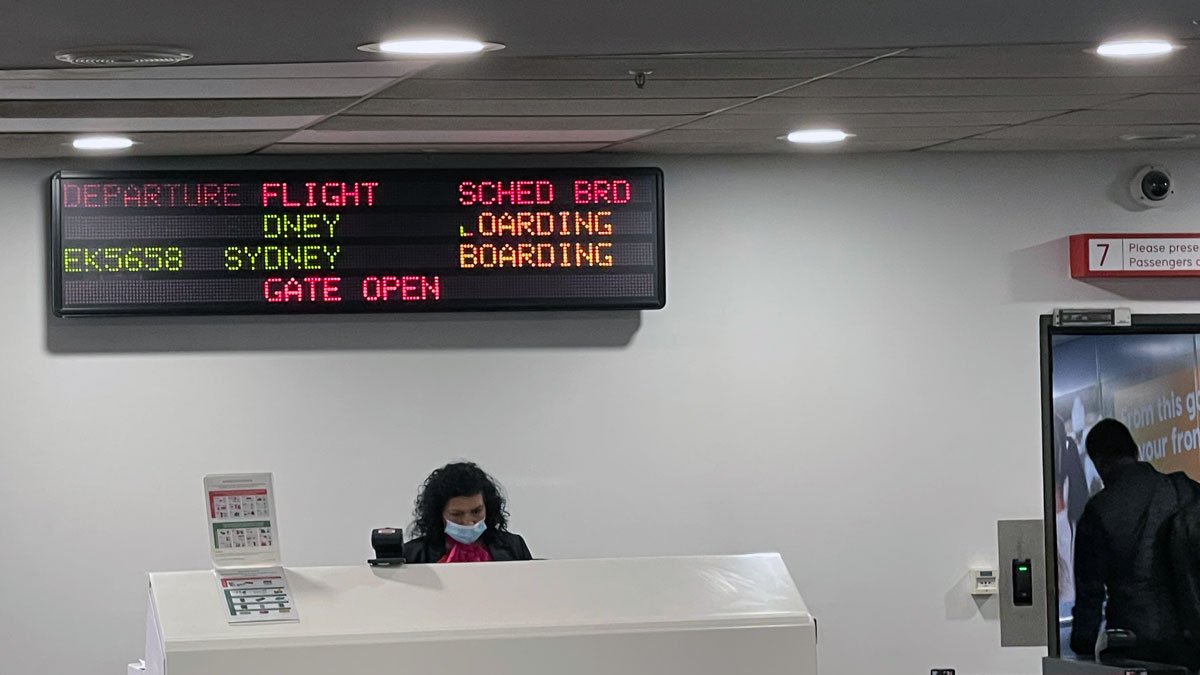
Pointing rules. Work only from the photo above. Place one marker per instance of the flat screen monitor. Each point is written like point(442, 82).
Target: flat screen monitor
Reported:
point(337, 241)
point(1148, 377)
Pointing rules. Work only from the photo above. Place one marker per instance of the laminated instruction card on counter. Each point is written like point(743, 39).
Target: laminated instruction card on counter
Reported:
point(244, 543)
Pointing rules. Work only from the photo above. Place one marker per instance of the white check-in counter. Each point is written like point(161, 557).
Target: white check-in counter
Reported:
point(703, 615)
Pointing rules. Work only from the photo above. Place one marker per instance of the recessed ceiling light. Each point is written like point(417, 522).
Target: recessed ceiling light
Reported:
point(123, 56)
point(1135, 49)
point(431, 47)
point(818, 136)
point(102, 143)
point(1157, 138)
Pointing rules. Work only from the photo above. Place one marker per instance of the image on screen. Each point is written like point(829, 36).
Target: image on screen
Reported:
point(1148, 382)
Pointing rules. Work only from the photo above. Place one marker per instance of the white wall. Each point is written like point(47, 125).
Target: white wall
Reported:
point(846, 372)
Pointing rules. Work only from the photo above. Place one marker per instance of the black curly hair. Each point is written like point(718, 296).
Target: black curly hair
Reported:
point(461, 479)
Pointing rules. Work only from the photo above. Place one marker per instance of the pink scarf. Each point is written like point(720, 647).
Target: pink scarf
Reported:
point(465, 553)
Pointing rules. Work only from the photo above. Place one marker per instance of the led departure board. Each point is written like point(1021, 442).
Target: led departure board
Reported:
point(288, 242)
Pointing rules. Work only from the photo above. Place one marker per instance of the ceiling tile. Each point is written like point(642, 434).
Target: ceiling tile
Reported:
point(430, 148)
point(1158, 102)
point(991, 86)
point(621, 87)
point(512, 107)
point(173, 108)
point(414, 136)
point(663, 67)
point(355, 87)
point(783, 122)
point(697, 137)
point(391, 68)
point(136, 124)
point(649, 145)
point(1026, 61)
point(390, 123)
point(280, 80)
point(22, 146)
point(1097, 133)
point(922, 104)
point(1190, 88)
point(1045, 144)
point(1127, 117)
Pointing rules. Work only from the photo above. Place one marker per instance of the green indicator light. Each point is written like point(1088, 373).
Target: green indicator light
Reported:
point(1022, 568)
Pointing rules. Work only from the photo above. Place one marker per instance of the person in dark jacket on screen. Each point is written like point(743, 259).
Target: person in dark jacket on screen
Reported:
point(1118, 552)
point(460, 516)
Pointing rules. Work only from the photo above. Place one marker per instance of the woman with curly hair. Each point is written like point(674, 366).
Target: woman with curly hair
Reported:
point(460, 516)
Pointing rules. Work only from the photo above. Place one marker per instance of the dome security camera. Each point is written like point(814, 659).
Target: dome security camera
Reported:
point(1151, 186)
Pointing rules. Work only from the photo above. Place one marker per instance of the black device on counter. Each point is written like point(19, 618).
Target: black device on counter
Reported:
point(1022, 582)
point(388, 543)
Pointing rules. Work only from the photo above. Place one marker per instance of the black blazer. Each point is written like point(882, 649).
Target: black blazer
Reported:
point(1117, 558)
point(502, 546)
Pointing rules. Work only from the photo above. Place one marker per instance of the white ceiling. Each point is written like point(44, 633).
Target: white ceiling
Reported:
point(925, 75)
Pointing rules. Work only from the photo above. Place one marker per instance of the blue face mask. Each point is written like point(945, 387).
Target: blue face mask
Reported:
point(464, 534)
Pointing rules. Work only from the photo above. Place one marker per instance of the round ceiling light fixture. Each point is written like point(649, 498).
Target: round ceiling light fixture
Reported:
point(1136, 49)
point(123, 57)
point(431, 46)
point(102, 143)
point(818, 136)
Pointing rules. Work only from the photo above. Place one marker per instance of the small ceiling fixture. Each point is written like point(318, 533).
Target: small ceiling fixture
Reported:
point(1157, 138)
point(102, 143)
point(1136, 49)
point(121, 57)
point(446, 46)
point(816, 136)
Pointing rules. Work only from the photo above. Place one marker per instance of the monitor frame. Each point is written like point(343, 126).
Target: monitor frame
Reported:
point(54, 244)
point(1141, 324)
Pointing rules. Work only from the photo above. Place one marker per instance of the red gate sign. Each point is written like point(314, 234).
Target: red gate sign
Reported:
point(1135, 255)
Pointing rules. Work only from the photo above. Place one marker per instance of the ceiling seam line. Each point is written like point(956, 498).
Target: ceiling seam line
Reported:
point(369, 95)
point(1003, 127)
point(755, 99)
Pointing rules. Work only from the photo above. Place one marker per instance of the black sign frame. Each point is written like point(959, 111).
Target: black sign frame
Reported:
point(55, 253)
